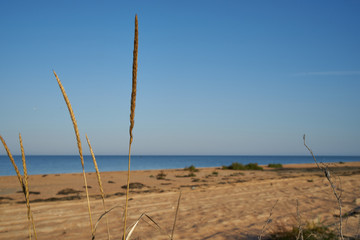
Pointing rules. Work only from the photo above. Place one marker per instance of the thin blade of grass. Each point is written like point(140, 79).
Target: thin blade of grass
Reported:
point(133, 227)
point(132, 116)
point(100, 185)
point(176, 213)
point(101, 216)
point(157, 226)
point(72, 115)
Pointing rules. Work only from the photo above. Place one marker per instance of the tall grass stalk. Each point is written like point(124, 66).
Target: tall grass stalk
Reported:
point(26, 185)
point(12, 161)
point(132, 116)
point(23, 182)
point(78, 144)
point(100, 184)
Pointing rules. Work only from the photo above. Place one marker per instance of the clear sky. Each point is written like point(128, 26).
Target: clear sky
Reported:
point(214, 77)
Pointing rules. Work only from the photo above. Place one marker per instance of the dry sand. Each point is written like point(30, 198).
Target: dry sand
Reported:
point(227, 205)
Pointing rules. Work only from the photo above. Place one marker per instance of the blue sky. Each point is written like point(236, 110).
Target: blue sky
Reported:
point(214, 77)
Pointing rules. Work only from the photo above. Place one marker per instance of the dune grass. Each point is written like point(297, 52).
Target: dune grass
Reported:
point(78, 140)
point(26, 186)
point(132, 116)
point(23, 182)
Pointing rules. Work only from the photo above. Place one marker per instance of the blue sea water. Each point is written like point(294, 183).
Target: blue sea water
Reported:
point(72, 164)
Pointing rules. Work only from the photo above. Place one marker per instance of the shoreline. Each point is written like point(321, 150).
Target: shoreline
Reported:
point(288, 165)
point(71, 164)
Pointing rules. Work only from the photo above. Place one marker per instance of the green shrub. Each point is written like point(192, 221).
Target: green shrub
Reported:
point(239, 166)
point(192, 168)
point(253, 166)
point(275, 165)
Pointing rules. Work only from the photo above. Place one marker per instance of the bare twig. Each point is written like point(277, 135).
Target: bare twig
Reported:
point(267, 221)
point(337, 195)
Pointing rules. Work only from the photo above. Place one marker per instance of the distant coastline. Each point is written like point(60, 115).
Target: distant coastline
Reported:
point(52, 164)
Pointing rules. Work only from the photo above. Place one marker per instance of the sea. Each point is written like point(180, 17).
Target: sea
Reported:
point(50, 164)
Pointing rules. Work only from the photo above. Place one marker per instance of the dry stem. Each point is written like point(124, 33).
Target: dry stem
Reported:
point(26, 185)
point(100, 184)
point(78, 144)
point(132, 116)
point(13, 162)
point(176, 213)
point(326, 172)
point(267, 221)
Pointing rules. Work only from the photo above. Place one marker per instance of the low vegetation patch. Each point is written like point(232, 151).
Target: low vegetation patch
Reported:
point(30, 192)
point(161, 175)
point(237, 174)
point(53, 199)
point(6, 198)
point(187, 175)
point(239, 166)
point(275, 165)
point(192, 168)
point(68, 191)
point(135, 185)
point(311, 231)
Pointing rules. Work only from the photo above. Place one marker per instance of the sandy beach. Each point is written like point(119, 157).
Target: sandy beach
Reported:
point(215, 204)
